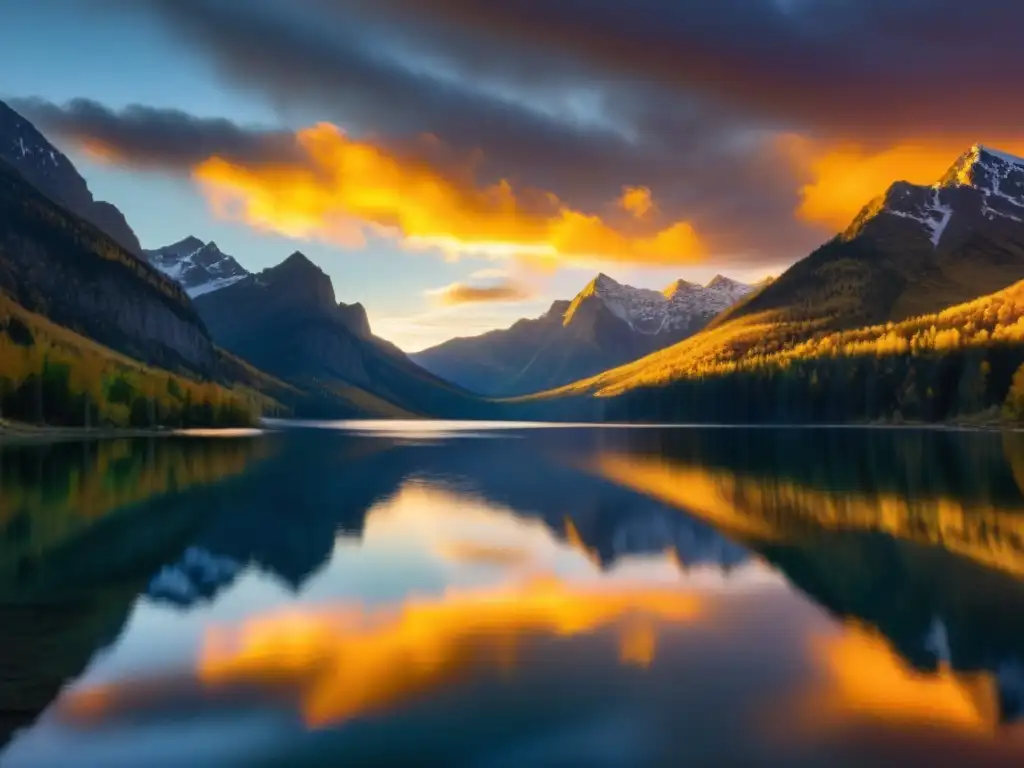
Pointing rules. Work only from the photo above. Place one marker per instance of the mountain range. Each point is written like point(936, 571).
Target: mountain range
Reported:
point(85, 305)
point(606, 325)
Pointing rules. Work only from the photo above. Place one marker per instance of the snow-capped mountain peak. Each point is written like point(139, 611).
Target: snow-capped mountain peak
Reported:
point(983, 184)
point(682, 307)
point(199, 267)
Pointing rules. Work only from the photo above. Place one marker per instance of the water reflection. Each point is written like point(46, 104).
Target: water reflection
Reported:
point(543, 597)
point(343, 661)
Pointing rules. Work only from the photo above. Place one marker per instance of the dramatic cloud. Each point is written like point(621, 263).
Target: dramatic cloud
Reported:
point(888, 68)
point(321, 183)
point(463, 293)
point(344, 184)
point(157, 138)
point(533, 118)
point(764, 127)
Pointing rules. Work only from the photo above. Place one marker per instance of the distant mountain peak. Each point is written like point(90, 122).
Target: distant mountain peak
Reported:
point(680, 286)
point(652, 312)
point(721, 281)
point(607, 324)
point(197, 266)
point(298, 275)
point(299, 261)
point(600, 284)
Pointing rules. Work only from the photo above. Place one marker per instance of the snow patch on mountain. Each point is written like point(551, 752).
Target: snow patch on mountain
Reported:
point(678, 307)
point(198, 267)
point(993, 179)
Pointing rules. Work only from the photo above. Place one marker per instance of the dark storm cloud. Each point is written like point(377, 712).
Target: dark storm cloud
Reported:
point(163, 138)
point(847, 67)
point(376, 71)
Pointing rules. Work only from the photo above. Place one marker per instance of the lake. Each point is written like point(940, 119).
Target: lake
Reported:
point(509, 595)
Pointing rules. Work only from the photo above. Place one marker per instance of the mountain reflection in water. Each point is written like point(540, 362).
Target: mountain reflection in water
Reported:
point(541, 597)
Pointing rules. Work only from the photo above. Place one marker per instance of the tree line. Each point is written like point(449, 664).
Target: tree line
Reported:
point(50, 376)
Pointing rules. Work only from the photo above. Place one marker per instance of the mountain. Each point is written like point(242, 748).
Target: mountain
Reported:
point(24, 148)
point(197, 266)
point(912, 251)
point(285, 320)
point(66, 269)
point(90, 333)
point(605, 325)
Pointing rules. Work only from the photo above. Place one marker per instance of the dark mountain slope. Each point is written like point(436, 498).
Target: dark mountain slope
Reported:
point(66, 269)
point(50, 171)
point(285, 320)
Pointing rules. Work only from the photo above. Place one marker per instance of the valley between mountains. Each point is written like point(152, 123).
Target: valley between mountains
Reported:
point(915, 312)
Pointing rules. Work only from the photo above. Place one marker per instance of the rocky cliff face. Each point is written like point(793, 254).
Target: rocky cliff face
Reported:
point(44, 166)
point(68, 270)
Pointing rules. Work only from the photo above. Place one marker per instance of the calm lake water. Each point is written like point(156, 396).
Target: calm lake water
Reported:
point(486, 595)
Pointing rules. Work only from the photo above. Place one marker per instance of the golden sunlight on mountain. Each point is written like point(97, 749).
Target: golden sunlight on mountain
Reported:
point(844, 177)
point(764, 509)
point(347, 660)
point(347, 185)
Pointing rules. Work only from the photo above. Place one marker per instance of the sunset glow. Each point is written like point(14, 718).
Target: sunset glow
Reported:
point(350, 185)
point(348, 661)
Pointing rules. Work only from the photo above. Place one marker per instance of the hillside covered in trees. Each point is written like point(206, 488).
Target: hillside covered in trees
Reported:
point(964, 362)
point(50, 375)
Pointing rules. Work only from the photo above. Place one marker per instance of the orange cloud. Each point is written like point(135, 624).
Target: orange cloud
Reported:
point(348, 185)
point(637, 201)
point(845, 177)
point(336, 663)
point(457, 294)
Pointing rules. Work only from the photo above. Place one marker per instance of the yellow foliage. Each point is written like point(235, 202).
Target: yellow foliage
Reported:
point(93, 370)
point(773, 339)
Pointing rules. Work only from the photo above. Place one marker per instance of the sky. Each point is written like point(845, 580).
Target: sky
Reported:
point(455, 165)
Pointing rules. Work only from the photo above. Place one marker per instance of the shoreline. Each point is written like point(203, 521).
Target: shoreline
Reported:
point(21, 433)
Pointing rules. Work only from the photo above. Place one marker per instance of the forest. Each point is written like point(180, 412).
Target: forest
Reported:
point(50, 375)
point(964, 363)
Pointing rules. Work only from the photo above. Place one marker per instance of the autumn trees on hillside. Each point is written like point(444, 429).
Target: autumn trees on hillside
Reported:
point(48, 379)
